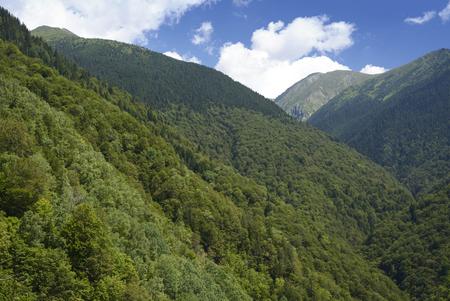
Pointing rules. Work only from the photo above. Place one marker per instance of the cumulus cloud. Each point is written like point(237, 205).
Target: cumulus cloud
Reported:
point(303, 36)
point(268, 76)
point(177, 56)
point(203, 33)
point(281, 55)
point(371, 69)
point(122, 20)
point(241, 3)
point(427, 16)
point(445, 13)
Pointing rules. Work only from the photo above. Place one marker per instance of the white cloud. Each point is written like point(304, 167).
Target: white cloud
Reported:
point(445, 13)
point(371, 69)
point(303, 36)
point(203, 33)
point(241, 3)
point(122, 20)
point(270, 77)
point(177, 56)
point(427, 16)
point(281, 54)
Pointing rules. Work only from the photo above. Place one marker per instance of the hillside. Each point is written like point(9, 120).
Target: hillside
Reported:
point(399, 120)
point(310, 94)
point(272, 149)
point(162, 80)
point(300, 165)
point(297, 164)
point(102, 199)
point(52, 34)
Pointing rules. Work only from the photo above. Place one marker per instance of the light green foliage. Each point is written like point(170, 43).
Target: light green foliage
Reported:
point(86, 230)
point(290, 223)
point(22, 182)
point(218, 196)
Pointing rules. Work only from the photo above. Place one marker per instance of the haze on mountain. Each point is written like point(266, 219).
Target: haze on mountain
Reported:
point(311, 93)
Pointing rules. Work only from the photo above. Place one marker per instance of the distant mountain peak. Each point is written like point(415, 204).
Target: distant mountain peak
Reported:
point(311, 93)
point(391, 117)
point(49, 33)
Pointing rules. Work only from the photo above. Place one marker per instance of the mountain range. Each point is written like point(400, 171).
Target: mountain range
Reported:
point(399, 119)
point(248, 138)
point(128, 175)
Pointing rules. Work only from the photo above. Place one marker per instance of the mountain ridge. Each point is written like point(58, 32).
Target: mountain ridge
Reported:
point(130, 205)
point(160, 72)
point(53, 33)
point(277, 204)
point(305, 97)
point(402, 94)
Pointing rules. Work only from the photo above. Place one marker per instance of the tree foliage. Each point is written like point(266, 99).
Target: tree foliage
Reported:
point(204, 200)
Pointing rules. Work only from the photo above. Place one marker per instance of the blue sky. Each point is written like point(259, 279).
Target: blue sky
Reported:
point(234, 36)
point(381, 37)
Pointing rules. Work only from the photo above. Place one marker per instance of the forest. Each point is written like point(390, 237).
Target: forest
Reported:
point(190, 193)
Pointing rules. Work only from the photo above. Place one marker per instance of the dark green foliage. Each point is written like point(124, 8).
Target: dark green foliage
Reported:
point(401, 120)
point(155, 78)
point(303, 208)
point(127, 218)
point(416, 252)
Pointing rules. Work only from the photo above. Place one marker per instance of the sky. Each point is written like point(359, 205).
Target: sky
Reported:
point(267, 45)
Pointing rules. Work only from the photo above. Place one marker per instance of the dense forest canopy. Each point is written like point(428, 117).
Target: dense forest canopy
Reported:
point(293, 161)
point(400, 120)
point(298, 164)
point(112, 203)
point(216, 195)
point(153, 77)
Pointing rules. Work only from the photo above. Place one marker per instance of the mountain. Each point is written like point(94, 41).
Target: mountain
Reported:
point(104, 198)
point(153, 77)
point(310, 94)
point(50, 33)
point(326, 185)
point(399, 119)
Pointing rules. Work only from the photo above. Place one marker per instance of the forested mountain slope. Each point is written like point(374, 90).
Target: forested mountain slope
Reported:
point(292, 160)
point(311, 93)
point(154, 77)
point(298, 164)
point(102, 200)
point(399, 119)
